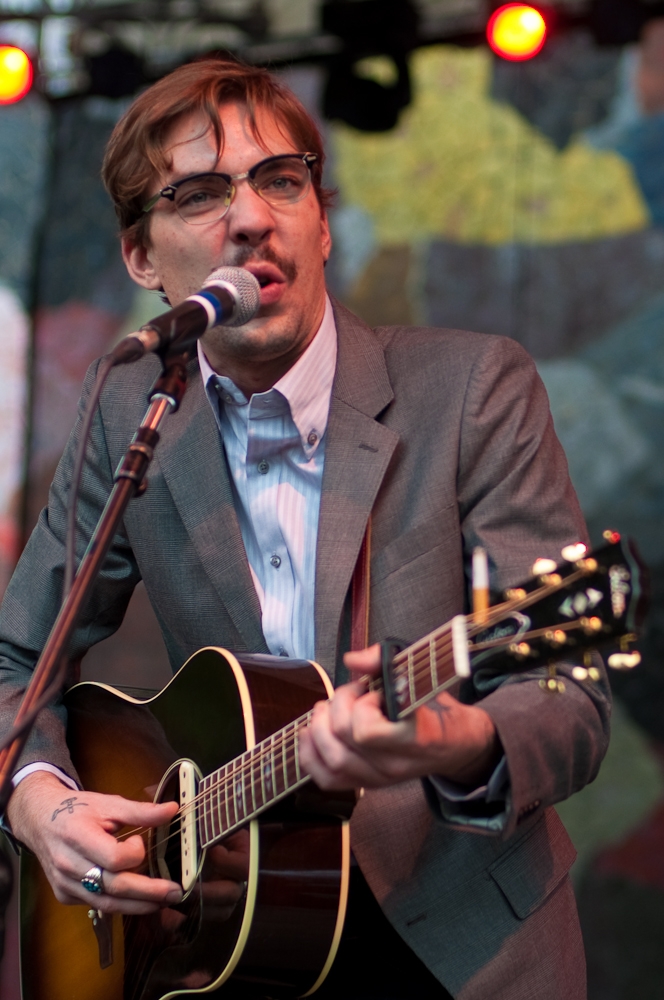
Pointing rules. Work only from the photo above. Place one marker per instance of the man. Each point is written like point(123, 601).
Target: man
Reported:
point(304, 423)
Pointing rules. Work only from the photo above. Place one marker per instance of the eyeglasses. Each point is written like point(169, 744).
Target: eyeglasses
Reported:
point(279, 180)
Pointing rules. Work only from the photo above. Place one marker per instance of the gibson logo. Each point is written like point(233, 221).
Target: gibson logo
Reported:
point(619, 577)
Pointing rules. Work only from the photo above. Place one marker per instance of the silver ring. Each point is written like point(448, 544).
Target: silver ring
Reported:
point(93, 879)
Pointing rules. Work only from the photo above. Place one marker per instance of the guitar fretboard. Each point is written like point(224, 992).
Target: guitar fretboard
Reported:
point(248, 785)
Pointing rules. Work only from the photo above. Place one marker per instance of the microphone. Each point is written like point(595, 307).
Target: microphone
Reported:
point(231, 296)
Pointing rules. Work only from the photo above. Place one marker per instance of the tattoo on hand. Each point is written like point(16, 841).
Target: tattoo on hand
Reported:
point(68, 805)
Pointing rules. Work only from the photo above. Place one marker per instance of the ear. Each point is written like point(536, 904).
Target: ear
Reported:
point(139, 264)
point(325, 235)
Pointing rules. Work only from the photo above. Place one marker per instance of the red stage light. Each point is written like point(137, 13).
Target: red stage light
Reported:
point(15, 74)
point(516, 31)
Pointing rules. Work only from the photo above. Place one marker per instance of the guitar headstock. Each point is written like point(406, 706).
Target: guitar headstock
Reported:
point(565, 611)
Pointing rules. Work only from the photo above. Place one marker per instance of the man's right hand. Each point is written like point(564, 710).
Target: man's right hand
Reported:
point(70, 832)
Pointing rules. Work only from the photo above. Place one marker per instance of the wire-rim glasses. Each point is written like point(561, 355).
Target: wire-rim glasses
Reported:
point(279, 180)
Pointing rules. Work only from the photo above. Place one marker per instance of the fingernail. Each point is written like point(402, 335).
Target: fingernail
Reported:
point(174, 896)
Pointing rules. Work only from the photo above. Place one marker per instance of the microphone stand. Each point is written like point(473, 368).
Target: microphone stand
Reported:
point(165, 397)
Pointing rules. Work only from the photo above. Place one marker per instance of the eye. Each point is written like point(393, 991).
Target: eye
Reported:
point(200, 194)
point(282, 180)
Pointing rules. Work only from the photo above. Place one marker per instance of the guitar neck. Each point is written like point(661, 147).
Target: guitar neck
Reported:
point(581, 605)
point(248, 785)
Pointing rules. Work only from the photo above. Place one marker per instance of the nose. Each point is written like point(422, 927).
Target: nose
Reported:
point(249, 219)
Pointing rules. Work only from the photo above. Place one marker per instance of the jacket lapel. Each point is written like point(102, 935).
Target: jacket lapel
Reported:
point(190, 452)
point(357, 453)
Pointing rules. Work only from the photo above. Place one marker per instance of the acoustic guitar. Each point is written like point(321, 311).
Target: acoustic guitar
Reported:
point(222, 739)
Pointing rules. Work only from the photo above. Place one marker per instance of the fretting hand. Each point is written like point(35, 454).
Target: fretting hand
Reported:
point(350, 742)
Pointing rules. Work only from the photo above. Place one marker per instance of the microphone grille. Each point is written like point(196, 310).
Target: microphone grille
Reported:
point(244, 288)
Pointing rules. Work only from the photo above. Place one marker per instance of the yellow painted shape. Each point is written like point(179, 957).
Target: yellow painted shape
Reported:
point(466, 168)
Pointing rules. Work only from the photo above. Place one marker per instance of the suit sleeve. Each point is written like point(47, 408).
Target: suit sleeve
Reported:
point(32, 599)
point(516, 500)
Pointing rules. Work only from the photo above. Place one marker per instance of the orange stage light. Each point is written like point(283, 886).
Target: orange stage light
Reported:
point(516, 31)
point(15, 74)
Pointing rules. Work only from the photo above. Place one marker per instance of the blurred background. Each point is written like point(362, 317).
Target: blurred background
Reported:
point(510, 193)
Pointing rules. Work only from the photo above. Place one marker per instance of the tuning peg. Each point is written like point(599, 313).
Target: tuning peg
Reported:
point(543, 566)
point(573, 552)
point(624, 661)
point(552, 684)
point(515, 594)
point(585, 673)
point(519, 649)
point(555, 637)
point(611, 536)
point(591, 625)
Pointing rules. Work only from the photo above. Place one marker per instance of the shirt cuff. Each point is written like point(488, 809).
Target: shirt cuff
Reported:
point(23, 772)
point(484, 808)
point(42, 765)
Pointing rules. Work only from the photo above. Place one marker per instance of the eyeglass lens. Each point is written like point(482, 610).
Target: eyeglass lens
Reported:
point(208, 197)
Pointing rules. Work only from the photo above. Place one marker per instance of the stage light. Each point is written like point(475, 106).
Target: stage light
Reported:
point(15, 74)
point(516, 32)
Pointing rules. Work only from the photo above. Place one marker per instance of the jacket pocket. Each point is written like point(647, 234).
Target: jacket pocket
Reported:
point(529, 871)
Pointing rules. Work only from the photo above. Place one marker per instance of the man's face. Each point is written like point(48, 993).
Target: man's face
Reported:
point(285, 247)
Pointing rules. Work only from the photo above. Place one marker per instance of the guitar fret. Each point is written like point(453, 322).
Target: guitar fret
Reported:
point(232, 805)
point(251, 780)
point(296, 750)
point(228, 815)
point(411, 677)
point(275, 773)
point(214, 820)
point(216, 804)
point(261, 767)
point(208, 818)
point(200, 810)
point(433, 664)
point(238, 790)
point(284, 756)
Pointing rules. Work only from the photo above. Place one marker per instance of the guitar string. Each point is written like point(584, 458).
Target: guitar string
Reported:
point(268, 747)
point(407, 663)
point(228, 782)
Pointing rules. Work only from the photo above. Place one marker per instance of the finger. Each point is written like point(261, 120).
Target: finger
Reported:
point(331, 764)
point(364, 660)
point(128, 812)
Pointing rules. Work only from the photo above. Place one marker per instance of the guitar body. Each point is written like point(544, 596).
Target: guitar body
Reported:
point(279, 941)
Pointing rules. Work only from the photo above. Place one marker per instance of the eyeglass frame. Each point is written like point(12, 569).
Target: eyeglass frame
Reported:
point(170, 190)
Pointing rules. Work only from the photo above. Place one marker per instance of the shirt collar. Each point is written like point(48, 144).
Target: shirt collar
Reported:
point(306, 387)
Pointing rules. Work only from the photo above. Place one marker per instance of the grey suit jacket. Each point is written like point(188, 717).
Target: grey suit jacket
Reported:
point(447, 437)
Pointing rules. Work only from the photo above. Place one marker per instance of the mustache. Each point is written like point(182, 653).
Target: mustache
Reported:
point(246, 255)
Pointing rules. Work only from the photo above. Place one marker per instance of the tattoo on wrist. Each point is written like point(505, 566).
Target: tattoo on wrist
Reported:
point(68, 805)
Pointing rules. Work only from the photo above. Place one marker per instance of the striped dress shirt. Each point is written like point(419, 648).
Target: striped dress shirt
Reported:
point(275, 446)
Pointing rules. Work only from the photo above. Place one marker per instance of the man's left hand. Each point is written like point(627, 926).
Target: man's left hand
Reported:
point(350, 742)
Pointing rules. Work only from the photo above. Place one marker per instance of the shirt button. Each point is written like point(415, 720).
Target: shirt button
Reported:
point(263, 467)
point(313, 437)
point(275, 561)
point(228, 398)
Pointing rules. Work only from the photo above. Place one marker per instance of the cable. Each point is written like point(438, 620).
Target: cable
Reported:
point(70, 541)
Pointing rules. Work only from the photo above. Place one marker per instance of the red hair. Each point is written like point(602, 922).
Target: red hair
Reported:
point(135, 151)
